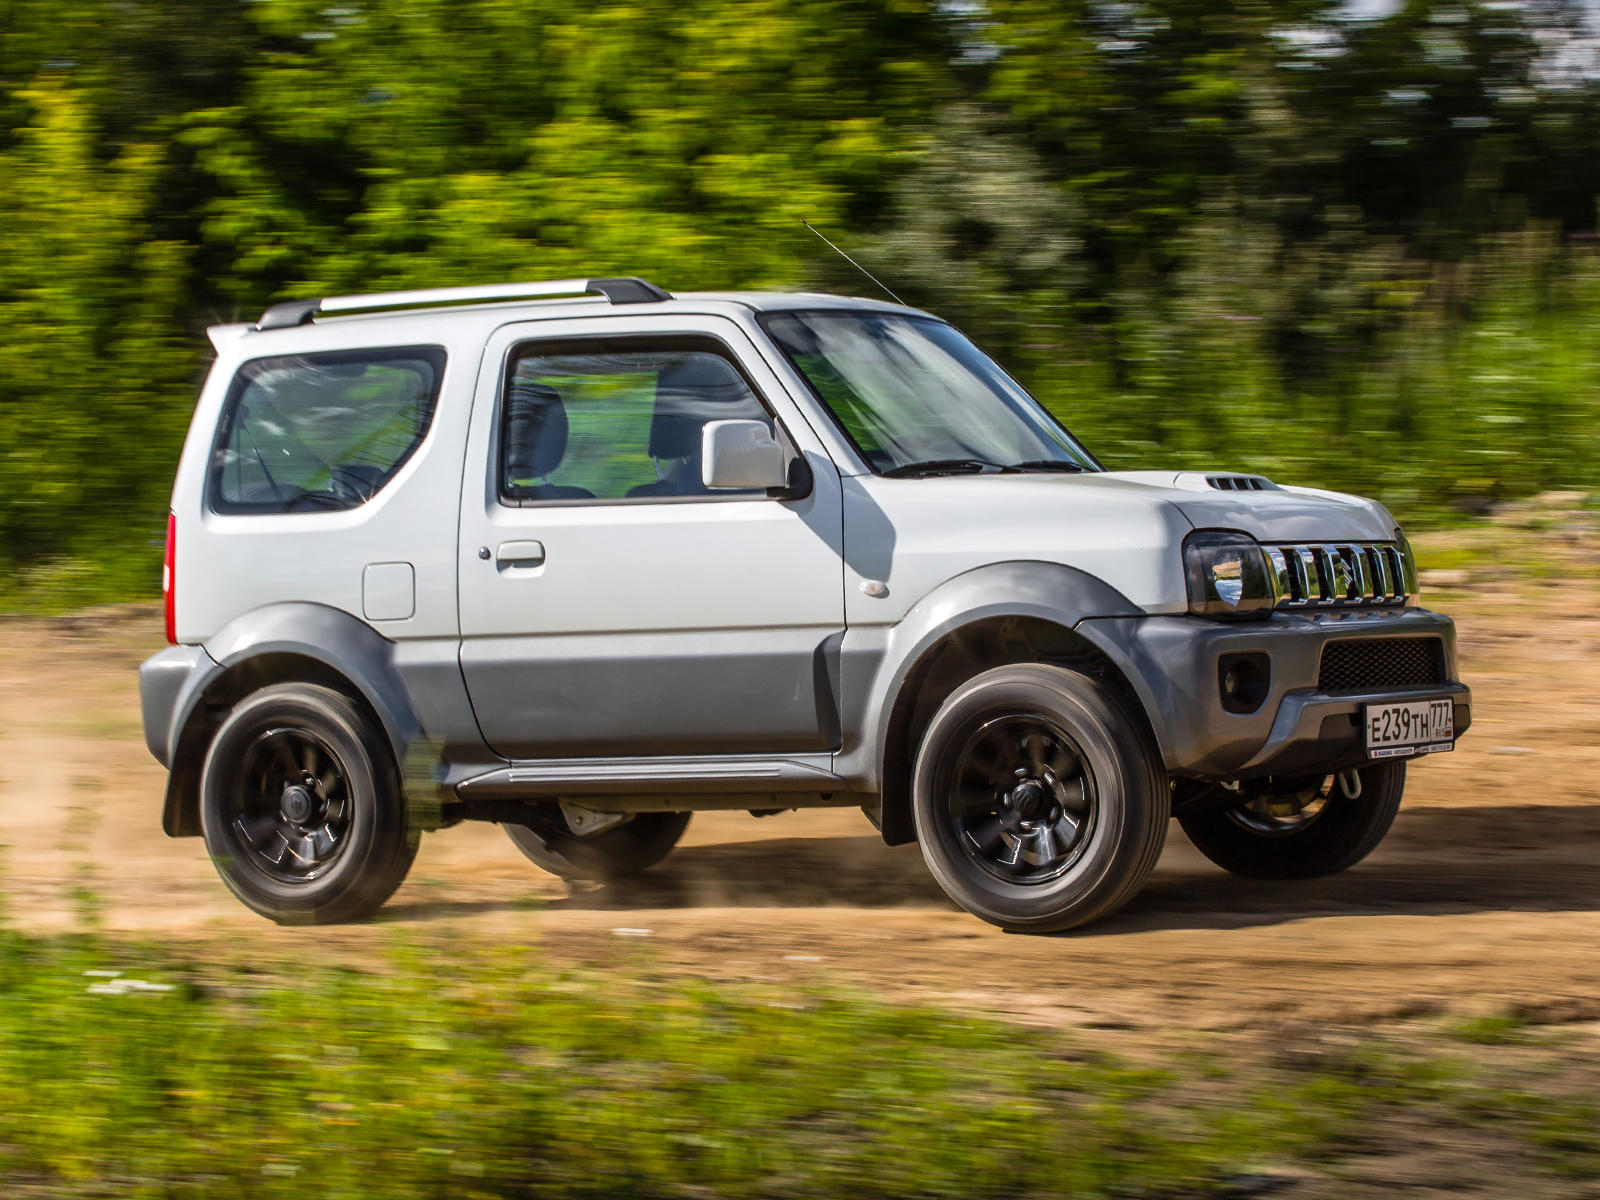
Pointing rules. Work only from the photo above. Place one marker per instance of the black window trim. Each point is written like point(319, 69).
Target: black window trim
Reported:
point(763, 317)
point(439, 355)
point(587, 341)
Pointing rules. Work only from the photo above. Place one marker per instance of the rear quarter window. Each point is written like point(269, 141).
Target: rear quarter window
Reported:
point(322, 432)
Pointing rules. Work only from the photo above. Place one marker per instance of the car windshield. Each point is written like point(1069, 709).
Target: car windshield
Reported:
point(916, 397)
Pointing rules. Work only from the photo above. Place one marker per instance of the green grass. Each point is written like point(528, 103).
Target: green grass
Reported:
point(1500, 1030)
point(484, 1072)
point(462, 1069)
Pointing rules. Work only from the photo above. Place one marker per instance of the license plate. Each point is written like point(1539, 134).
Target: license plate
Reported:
point(1420, 727)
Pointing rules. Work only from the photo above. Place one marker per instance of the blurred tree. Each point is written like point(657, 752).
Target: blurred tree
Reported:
point(95, 375)
point(489, 139)
point(976, 232)
point(1204, 230)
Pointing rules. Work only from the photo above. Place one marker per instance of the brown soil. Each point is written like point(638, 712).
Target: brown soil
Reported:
point(1484, 899)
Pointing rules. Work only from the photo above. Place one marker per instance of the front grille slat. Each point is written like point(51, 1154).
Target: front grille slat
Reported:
point(1302, 577)
point(1384, 577)
point(1339, 575)
point(1380, 664)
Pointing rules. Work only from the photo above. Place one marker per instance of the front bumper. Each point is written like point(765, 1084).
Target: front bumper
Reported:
point(1172, 662)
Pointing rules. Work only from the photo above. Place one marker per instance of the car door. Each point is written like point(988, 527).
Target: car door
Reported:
point(610, 604)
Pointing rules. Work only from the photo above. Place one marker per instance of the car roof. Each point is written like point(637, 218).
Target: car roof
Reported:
point(798, 301)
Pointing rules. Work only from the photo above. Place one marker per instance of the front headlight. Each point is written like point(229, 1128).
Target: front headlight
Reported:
point(1227, 575)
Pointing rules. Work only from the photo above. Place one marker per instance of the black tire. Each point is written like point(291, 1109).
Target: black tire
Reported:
point(302, 808)
point(1246, 840)
point(1044, 766)
point(613, 853)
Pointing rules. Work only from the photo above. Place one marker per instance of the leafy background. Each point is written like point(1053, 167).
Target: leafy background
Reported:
point(1347, 250)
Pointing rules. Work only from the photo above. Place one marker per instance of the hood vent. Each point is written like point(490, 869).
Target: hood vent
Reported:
point(1242, 483)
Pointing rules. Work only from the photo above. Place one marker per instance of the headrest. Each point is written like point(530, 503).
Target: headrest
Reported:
point(673, 436)
point(694, 388)
point(536, 431)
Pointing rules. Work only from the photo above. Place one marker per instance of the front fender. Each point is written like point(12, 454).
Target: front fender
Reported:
point(877, 661)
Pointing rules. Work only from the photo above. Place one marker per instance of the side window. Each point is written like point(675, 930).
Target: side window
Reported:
point(321, 432)
point(616, 418)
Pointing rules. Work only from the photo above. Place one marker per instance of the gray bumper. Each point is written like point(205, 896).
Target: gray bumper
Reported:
point(1172, 663)
point(167, 683)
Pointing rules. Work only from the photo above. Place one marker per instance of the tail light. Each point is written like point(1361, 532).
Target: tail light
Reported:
point(168, 582)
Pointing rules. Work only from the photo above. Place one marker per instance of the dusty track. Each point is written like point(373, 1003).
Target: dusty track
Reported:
point(1486, 897)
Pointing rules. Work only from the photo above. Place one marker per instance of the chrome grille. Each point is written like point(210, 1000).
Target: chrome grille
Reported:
point(1345, 575)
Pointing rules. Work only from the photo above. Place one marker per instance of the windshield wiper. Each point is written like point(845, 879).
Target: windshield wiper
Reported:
point(1048, 464)
point(942, 466)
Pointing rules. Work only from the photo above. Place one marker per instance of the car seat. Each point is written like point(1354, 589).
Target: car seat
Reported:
point(699, 388)
point(675, 446)
point(536, 442)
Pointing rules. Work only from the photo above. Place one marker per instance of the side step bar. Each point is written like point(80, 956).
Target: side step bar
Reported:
point(668, 784)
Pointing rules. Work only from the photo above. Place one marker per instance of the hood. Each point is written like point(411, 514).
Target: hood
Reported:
point(1123, 528)
point(1266, 511)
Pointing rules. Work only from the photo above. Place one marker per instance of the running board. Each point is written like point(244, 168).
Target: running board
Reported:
point(655, 784)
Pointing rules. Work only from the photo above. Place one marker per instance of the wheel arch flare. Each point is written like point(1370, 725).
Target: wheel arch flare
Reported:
point(281, 643)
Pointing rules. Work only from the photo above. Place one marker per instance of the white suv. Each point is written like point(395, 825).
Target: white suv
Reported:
point(582, 558)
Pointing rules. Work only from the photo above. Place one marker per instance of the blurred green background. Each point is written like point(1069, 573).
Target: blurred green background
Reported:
point(1351, 248)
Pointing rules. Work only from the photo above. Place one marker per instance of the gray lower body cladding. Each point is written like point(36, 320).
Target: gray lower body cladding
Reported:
point(164, 678)
point(1298, 725)
point(739, 691)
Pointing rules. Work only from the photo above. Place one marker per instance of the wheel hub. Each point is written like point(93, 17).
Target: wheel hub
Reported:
point(298, 804)
point(1029, 798)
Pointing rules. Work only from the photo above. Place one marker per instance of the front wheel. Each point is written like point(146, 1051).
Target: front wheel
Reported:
point(1040, 802)
point(301, 807)
point(1299, 828)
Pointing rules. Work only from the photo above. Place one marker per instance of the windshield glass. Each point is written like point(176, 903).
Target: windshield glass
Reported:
point(916, 396)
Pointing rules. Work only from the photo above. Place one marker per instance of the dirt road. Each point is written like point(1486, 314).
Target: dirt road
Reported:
point(1485, 898)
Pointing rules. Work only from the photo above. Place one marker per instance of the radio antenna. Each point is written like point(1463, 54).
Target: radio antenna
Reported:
point(852, 261)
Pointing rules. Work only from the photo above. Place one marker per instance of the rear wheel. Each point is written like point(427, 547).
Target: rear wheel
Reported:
point(301, 807)
point(1299, 828)
point(627, 849)
point(1040, 802)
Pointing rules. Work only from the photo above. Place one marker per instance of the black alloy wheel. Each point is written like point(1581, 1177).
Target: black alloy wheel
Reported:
point(1039, 797)
point(293, 803)
point(1022, 801)
point(302, 809)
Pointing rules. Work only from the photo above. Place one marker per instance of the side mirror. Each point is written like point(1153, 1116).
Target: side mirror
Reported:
point(740, 454)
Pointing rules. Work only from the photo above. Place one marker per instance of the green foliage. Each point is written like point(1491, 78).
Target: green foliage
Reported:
point(455, 142)
point(1503, 1030)
point(1355, 254)
point(455, 1069)
point(92, 360)
point(1498, 406)
point(488, 1074)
